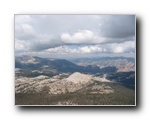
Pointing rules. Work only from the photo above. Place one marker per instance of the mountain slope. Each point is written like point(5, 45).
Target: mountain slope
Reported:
point(123, 64)
point(61, 65)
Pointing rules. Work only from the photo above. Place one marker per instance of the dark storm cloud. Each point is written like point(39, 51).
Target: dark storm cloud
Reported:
point(117, 26)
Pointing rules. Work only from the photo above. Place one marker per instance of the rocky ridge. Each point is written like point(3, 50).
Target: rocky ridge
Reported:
point(54, 85)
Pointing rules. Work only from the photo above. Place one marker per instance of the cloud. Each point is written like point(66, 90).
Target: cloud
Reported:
point(81, 37)
point(24, 32)
point(91, 49)
point(117, 26)
point(64, 51)
point(22, 19)
point(87, 37)
point(125, 47)
point(93, 34)
point(80, 50)
point(60, 49)
point(19, 45)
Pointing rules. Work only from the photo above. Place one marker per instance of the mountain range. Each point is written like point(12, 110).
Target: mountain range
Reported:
point(60, 65)
point(50, 81)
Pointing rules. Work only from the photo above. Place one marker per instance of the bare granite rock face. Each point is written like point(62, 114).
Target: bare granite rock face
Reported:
point(24, 84)
point(78, 78)
point(101, 79)
point(57, 85)
point(74, 82)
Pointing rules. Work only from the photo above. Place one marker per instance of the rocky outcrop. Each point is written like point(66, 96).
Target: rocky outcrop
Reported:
point(101, 79)
point(74, 82)
point(55, 85)
point(78, 78)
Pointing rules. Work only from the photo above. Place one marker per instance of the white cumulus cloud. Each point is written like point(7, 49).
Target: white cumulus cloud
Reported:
point(81, 37)
point(125, 47)
point(91, 49)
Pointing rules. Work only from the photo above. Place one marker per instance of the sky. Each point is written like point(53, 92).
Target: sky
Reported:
point(75, 36)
